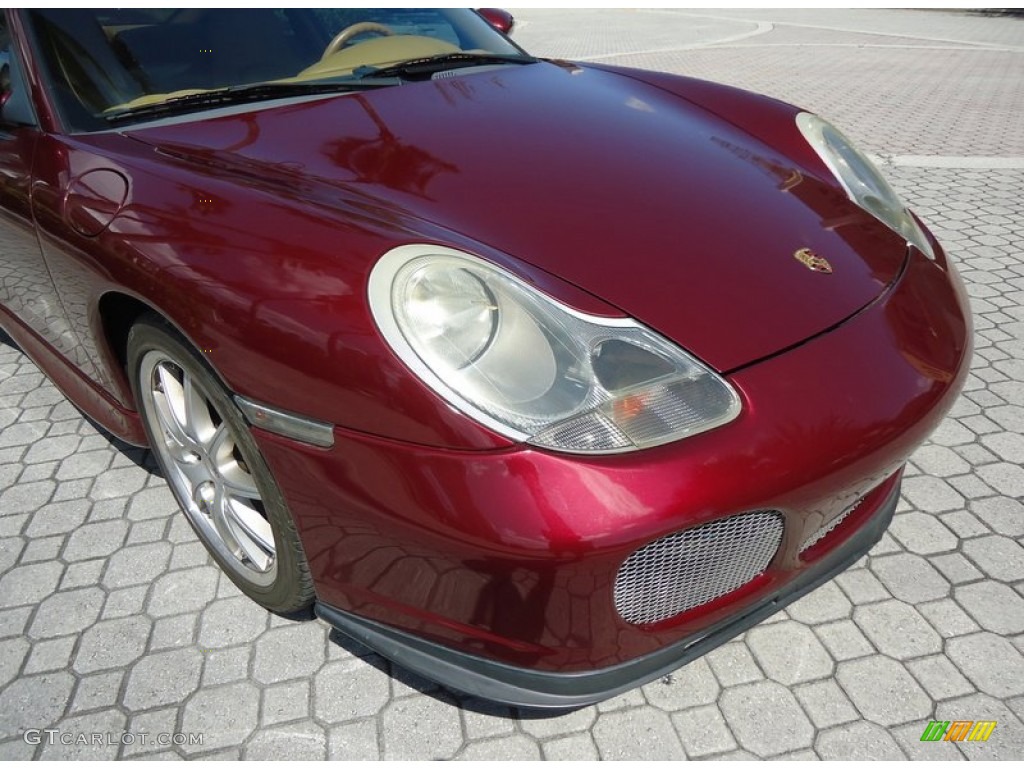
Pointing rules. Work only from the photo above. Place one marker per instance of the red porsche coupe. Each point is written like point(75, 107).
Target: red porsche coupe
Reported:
point(539, 378)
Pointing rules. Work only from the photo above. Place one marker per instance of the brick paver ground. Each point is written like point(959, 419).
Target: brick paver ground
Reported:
point(114, 620)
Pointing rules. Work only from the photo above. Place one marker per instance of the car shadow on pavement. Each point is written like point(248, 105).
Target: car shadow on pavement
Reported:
point(141, 457)
point(406, 679)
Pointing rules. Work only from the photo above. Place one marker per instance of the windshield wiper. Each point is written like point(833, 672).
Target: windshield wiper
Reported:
point(429, 65)
point(236, 94)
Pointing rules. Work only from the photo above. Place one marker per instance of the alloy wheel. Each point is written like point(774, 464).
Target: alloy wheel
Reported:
point(206, 469)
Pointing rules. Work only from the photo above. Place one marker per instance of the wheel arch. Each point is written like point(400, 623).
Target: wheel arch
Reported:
point(118, 312)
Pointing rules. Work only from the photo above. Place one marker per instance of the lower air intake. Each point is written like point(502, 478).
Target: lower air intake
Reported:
point(695, 566)
point(830, 526)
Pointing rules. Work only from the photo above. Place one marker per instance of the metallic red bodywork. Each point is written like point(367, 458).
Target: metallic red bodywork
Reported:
point(498, 18)
point(606, 216)
point(512, 553)
point(677, 202)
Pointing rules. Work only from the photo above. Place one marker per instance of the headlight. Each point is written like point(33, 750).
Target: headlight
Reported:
point(861, 180)
point(536, 370)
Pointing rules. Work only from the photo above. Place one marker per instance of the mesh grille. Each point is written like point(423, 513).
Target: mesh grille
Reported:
point(830, 526)
point(693, 567)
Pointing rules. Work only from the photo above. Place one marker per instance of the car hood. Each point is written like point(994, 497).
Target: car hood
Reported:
point(654, 204)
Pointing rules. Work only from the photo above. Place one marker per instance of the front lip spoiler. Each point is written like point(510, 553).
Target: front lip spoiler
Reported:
point(523, 687)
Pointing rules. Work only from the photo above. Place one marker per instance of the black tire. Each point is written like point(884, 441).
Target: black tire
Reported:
point(215, 469)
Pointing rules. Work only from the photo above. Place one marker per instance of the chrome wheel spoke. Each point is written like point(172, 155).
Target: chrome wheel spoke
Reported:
point(198, 423)
point(221, 517)
point(167, 397)
point(252, 531)
point(235, 478)
point(238, 482)
point(242, 489)
point(193, 471)
point(219, 439)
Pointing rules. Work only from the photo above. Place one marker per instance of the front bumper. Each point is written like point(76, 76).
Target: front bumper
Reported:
point(523, 687)
point(500, 566)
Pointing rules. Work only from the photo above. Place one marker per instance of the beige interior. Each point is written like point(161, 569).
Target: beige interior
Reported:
point(375, 52)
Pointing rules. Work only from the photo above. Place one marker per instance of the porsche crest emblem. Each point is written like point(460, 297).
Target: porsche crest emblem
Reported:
point(813, 261)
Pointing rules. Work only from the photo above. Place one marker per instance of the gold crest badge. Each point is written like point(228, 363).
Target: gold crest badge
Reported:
point(813, 261)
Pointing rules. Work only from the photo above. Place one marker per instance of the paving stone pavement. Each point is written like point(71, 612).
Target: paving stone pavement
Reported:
point(114, 620)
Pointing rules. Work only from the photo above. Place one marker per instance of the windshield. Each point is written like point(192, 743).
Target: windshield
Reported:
point(113, 63)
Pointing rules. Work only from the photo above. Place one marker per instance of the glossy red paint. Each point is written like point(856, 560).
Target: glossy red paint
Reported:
point(512, 553)
point(93, 200)
point(282, 305)
point(621, 193)
point(498, 18)
point(76, 386)
point(650, 242)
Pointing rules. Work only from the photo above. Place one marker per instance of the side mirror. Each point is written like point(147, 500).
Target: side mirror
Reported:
point(501, 20)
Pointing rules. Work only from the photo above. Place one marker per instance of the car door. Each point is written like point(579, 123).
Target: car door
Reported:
point(27, 289)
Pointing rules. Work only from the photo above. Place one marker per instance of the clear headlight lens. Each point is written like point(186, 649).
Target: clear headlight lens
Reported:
point(450, 314)
point(861, 179)
point(536, 370)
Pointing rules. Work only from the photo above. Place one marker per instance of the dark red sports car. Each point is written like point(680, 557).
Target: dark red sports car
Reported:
point(540, 378)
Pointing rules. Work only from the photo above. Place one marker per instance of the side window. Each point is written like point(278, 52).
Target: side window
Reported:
point(15, 107)
point(5, 59)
